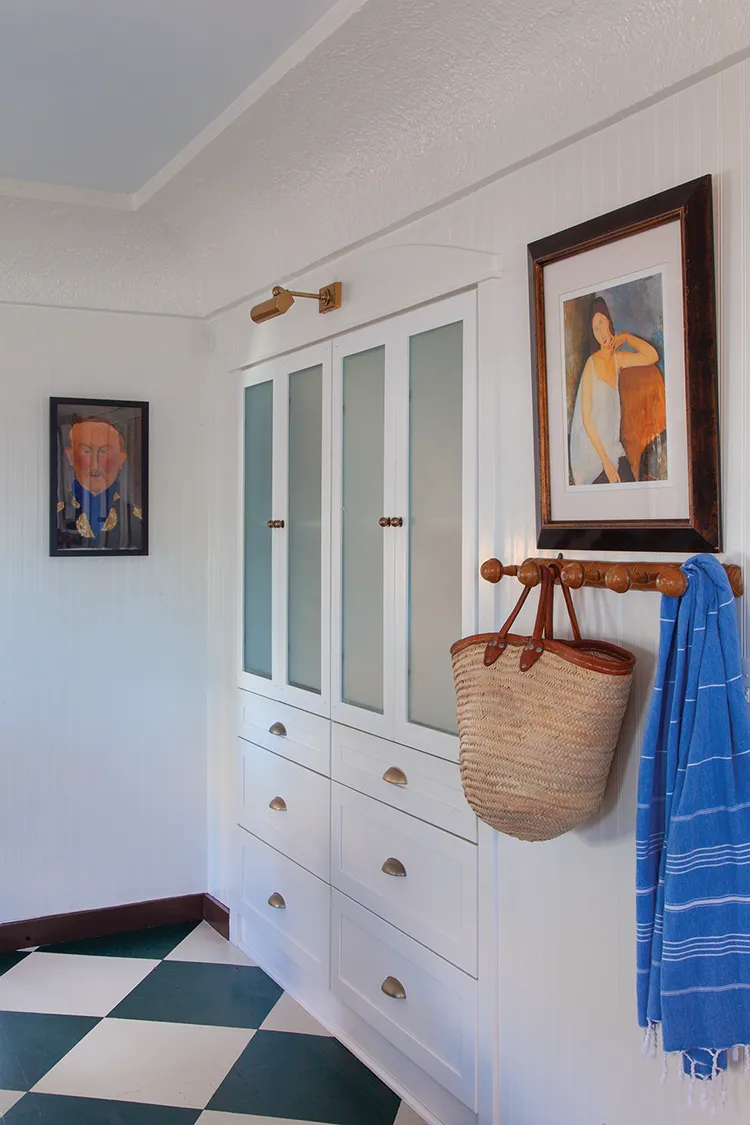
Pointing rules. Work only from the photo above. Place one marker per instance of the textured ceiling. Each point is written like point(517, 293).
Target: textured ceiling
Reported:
point(102, 95)
point(407, 103)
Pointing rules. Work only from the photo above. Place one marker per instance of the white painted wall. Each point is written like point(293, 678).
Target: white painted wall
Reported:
point(102, 661)
point(569, 1048)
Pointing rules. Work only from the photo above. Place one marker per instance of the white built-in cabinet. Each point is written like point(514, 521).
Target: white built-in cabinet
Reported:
point(356, 849)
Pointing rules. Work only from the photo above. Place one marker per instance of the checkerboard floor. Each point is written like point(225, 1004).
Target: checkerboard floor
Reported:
point(170, 1026)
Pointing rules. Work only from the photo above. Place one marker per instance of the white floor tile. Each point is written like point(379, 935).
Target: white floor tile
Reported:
point(208, 947)
point(287, 1015)
point(407, 1116)
point(8, 1098)
point(69, 984)
point(211, 1117)
point(143, 1061)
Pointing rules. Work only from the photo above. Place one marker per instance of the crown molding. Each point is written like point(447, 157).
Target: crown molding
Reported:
point(304, 46)
point(62, 193)
point(132, 201)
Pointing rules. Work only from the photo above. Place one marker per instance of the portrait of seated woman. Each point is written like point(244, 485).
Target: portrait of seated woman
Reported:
point(617, 428)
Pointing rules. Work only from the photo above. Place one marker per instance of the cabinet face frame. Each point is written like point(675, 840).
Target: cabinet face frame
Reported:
point(278, 372)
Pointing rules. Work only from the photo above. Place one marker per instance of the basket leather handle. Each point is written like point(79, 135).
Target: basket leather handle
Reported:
point(534, 646)
point(499, 643)
point(543, 625)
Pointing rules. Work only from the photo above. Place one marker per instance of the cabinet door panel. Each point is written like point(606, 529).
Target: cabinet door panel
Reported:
point(305, 508)
point(362, 549)
point(258, 510)
point(435, 471)
point(436, 559)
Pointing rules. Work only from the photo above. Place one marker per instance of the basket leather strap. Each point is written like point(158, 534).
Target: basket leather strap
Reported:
point(543, 625)
point(534, 646)
point(499, 643)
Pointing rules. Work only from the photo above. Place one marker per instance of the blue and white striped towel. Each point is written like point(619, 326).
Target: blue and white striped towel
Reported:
point(693, 831)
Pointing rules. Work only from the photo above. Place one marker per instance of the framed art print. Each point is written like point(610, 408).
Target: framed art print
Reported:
point(624, 342)
point(98, 477)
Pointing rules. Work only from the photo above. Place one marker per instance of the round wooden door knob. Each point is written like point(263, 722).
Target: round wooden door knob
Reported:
point(618, 578)
point(672, 582)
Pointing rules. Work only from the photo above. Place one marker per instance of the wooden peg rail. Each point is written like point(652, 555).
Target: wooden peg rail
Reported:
point(664, 578)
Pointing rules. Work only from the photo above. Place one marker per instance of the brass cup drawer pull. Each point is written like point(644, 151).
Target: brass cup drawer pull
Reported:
point(278, 804)
point(394, 867)
point(278, 729)
point(393, 987)
point(394, 776)
point(277, 901)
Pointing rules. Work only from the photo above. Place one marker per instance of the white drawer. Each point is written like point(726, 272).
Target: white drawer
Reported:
point(302, 737)
point(435, 901)
point(434, 1024)
point(431, 789)
point(288, 806)
point(297, 932)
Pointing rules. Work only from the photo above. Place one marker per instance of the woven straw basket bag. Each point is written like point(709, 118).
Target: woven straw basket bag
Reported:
point(538, 721)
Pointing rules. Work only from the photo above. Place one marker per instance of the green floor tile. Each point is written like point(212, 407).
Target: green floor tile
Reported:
point(31, 1044)
point(304, 1078)
point(153, 944)
point(213, 995)
point(52, 1109)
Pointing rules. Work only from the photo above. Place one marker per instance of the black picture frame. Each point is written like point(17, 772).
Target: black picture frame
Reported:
point(691, 205)
point(119, 523)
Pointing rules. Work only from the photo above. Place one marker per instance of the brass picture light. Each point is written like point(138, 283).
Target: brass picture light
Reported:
point(328, 298)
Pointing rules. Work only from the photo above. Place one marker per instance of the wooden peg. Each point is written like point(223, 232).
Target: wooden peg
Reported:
point(672, 582)
point(618, 579)
point(530, 572)
point(492, 570)
point(573, 575)
point(734, 574)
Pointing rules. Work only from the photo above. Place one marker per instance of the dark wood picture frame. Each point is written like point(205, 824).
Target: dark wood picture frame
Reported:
point(690, 204)
point(127, 511)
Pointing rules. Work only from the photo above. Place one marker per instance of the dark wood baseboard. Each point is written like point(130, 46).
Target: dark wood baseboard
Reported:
point(114, 920)
point(216, 914)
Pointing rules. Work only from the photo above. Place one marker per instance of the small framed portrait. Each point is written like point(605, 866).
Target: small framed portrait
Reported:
point(624, 340)
point(98, 477)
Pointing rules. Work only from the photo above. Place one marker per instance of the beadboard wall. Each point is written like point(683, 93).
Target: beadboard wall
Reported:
point(558, 924)
point(102, 661)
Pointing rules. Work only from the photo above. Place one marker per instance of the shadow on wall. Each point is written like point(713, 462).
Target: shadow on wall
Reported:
point(622, 784)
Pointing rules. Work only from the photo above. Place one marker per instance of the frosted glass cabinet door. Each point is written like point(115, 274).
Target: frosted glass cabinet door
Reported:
point(258, 501)
point(362, 551)
point(304, 565)
point(362, 537)
point(436, 557)
point(435, 526)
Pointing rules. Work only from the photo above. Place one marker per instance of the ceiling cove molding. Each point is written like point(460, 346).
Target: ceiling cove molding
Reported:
point(61, 193)
point(124, 201)
point(297, 53)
